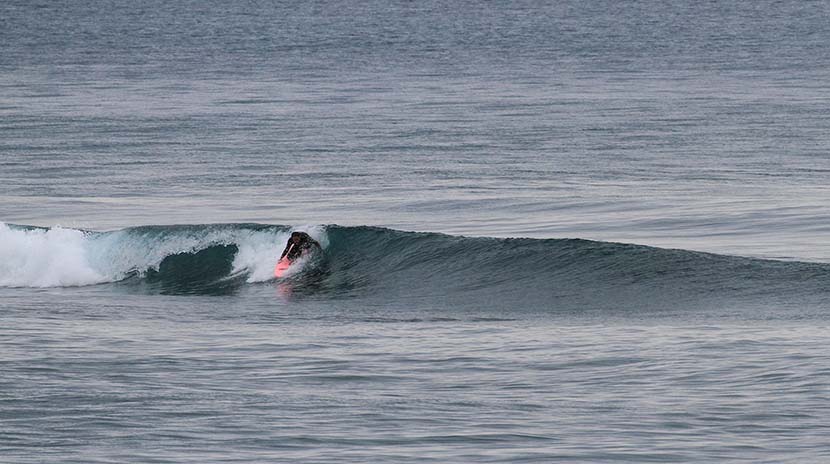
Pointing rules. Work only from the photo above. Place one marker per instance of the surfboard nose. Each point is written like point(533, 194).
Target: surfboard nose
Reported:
point(281, 267)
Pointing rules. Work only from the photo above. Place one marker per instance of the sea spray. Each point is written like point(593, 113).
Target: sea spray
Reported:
point(54, 257)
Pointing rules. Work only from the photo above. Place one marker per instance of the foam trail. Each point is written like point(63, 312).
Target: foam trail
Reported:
point(55, 257)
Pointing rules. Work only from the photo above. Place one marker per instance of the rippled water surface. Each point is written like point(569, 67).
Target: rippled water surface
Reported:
point(621, 248)
point(319, 383)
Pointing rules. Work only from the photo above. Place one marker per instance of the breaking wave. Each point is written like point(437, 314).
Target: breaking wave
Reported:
point(387, 265)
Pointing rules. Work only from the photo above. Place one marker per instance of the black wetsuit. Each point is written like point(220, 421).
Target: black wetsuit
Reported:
point(295, 250)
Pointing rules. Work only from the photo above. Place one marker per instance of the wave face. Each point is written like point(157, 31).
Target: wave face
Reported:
point(388, 266)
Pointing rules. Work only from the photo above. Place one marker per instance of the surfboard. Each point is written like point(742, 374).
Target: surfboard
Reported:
point(282, 267)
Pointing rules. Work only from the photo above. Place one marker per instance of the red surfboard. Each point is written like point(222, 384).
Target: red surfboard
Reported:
point(282, 267)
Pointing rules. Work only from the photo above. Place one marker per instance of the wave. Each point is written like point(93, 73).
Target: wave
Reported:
point(390, 265)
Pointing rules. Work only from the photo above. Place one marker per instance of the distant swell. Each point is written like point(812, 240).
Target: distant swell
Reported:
point(388, 266)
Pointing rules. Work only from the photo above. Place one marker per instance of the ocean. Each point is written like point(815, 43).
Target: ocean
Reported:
point(564, 231)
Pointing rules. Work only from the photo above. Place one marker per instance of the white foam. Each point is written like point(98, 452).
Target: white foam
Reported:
point(45, 258)
point(257, 255)
point(258, 252)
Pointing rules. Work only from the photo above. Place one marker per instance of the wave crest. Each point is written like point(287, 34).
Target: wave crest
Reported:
point(384, 266)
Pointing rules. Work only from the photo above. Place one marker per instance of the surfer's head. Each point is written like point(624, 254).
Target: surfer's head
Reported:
point(296, 237)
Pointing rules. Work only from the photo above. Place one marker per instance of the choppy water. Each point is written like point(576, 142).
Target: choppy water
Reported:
point(621, 249)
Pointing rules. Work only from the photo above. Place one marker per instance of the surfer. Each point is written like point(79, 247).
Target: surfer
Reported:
point(298, 243)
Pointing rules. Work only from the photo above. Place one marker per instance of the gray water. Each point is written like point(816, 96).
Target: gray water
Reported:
point(700, 128)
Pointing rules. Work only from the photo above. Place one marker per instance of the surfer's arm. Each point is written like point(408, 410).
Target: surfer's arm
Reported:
point(286, 250)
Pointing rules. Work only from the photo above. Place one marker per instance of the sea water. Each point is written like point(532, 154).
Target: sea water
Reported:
point(551, 231)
